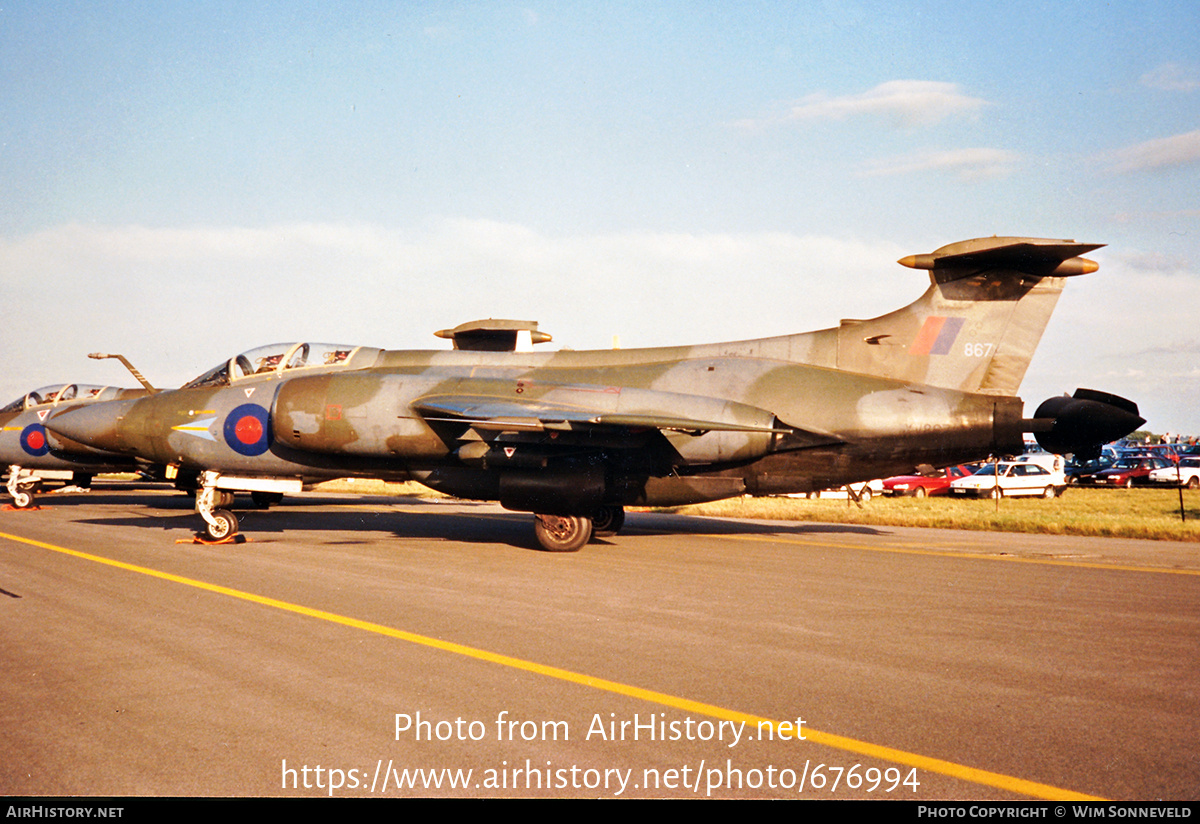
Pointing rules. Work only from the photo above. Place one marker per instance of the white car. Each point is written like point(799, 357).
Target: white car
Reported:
point(1010, 478)
point(1048, 461)
point(865, 491)
point(1186, 474)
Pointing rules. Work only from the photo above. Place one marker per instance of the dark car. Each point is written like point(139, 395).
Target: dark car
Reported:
point(1126, 472)
point(1076, 469)
point(920, 486)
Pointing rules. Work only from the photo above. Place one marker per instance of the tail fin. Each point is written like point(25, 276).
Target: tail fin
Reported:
point(977, 326)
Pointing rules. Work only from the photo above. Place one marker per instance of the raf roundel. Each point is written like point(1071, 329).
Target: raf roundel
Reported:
point(34, 441)
point(248, 430)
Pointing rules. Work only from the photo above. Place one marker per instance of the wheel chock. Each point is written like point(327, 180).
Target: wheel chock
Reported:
point(199, 538)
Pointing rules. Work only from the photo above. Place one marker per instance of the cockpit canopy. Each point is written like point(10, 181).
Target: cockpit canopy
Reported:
point(280, 358)
point(62, 393)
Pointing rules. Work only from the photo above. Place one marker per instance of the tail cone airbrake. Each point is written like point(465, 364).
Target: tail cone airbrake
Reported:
point(1080, 424)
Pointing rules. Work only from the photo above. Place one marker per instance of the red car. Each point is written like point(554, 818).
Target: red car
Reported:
point(1127, 472)
point(920, 486)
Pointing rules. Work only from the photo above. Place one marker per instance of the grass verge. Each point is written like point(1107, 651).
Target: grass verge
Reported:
point(1110, 513)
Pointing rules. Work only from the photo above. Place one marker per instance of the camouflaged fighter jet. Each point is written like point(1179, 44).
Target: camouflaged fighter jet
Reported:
point(575, 436)
point(33, 454)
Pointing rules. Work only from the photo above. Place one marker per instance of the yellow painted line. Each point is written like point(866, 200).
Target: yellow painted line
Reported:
point(944, 553)
point(785, 729)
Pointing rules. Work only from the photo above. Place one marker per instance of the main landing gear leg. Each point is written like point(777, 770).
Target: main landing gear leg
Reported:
point(20, 489)
point(562, 533)
point(219, 524)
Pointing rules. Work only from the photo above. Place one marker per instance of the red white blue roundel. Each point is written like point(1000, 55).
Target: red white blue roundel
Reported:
point(34, 441)
point(248, 430)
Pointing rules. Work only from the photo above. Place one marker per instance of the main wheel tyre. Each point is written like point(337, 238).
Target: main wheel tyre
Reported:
point(562, 533)
point(226, 525)
point(608, 521)
point(22, 500)
point(864, 495)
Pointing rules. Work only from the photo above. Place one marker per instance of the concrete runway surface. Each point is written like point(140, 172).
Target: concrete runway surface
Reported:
point(396, 646)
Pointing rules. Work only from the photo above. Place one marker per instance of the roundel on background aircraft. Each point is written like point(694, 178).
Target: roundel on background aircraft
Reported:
point(34, 441)
point(248, 430)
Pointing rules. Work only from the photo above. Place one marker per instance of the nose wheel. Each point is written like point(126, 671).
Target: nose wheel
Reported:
point(224, 525)
point(21, 489)
point(219, 524)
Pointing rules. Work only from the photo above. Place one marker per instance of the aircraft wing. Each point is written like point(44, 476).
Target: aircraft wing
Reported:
point(700, 430)
point(494, 414)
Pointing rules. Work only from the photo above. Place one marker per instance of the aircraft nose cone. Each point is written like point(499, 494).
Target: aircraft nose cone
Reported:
point(96, 425)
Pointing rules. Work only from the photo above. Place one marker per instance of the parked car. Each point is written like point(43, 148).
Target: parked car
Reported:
point(920, 486)
point(1010, 478)
point(1164, 450)
point(1052, 463)
point(1187, 473)
point(1077, 468)
point(865, 491)
point(1126, 472)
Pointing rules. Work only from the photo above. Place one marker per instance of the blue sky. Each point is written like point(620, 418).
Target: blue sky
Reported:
point(184, 181)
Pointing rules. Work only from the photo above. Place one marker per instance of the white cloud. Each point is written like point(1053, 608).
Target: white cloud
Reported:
point(1177, 150)
point(1173, 77)
point(965, 164)
point(1116, 331)
point(178, 300)
point(908, 103)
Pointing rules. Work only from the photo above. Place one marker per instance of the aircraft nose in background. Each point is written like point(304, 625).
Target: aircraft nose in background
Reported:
point(95, 424)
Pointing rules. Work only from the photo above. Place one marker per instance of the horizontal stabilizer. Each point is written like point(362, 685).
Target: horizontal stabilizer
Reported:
point(1035, 256)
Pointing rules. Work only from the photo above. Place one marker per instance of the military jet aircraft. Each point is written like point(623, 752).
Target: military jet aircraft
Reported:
point(575, 436)
point(33, 454)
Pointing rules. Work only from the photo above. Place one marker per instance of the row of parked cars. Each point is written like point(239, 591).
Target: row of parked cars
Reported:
point(1141, 466)
point(1042, 474)
point(1033, 474)
point(1046, 476)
